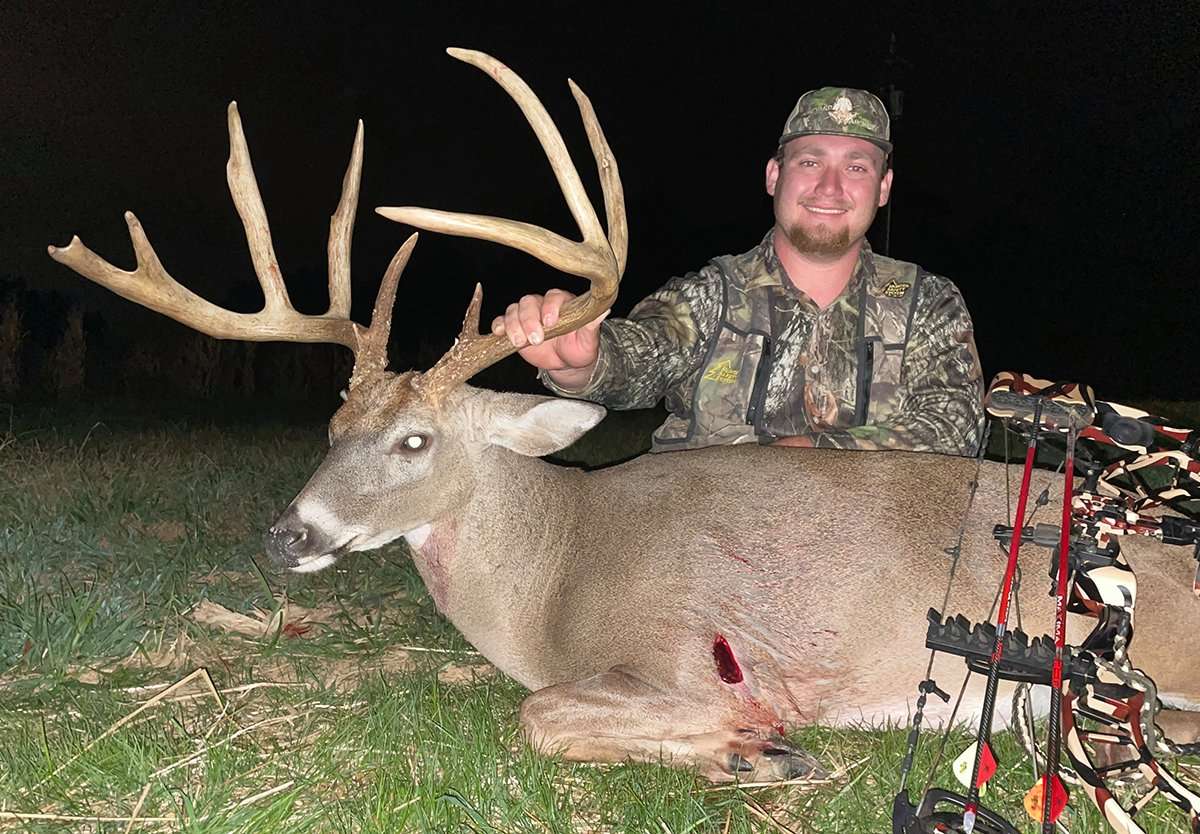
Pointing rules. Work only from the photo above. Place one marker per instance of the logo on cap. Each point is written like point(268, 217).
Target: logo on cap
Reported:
point(842, 111)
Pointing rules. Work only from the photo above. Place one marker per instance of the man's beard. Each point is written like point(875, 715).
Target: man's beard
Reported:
point(821, 241)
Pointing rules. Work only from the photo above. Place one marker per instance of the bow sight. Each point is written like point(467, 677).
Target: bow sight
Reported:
point(1102, 709)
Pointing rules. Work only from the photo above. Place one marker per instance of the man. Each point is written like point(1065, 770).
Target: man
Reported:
point(809, 339)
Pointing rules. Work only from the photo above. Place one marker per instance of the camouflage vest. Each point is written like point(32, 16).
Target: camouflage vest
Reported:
point(729, 390)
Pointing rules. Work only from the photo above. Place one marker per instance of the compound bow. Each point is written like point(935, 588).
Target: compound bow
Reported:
point(1134, 465)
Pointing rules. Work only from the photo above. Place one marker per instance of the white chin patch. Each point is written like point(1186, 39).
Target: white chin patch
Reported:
point(355, 538)
point(417, 536)
point(315, 564)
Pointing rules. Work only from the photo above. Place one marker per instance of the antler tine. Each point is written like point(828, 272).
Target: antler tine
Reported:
point(341, 231)
point(151, 286)
point(596, 258)
point(610, 178)
point(470, 353)
point(370, 357)
point(243, 186)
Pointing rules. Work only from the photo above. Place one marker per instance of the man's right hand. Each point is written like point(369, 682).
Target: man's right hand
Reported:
point(568, 359)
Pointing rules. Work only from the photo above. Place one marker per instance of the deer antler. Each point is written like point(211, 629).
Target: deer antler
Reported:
point(152, 287)
point(598, 258)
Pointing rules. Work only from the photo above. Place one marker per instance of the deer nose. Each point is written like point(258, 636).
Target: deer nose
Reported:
point(291, 539)
point(288, 539)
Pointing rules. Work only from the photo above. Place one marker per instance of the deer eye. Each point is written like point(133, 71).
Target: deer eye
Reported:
point(411, 443)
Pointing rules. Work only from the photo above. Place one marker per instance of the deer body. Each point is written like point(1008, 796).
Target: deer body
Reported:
point(694, 605)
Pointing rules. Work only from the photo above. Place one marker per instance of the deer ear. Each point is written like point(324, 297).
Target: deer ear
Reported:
point(549, 425)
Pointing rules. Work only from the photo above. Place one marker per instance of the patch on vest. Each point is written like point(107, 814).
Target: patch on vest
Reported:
point(896, 289)
point(722, 372)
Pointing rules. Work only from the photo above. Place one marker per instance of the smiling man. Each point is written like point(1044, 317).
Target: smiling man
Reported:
point(808, 339)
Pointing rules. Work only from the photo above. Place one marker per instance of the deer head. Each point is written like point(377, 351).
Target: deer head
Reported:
point(400, 443)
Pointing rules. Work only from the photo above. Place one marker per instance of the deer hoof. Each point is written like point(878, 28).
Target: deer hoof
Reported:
point(789, 762)
point(738, 764)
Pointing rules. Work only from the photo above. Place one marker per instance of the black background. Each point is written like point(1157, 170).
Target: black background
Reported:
point(1046, 155)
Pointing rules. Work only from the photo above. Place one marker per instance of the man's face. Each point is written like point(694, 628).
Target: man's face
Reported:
point(826, 190)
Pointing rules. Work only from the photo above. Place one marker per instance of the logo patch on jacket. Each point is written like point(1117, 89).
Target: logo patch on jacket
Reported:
point(722, 372)
point(896, 289)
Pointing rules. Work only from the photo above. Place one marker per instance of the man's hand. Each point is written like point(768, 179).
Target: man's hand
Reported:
point(570, 358)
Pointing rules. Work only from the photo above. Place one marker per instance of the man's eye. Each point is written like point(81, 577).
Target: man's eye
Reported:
point(411, 443)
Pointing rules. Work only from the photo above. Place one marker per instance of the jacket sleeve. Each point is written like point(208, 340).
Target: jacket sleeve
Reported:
point(658, 349)
point(939, 403)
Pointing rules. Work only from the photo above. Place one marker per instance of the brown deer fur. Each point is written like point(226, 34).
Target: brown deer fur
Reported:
point(610, 593)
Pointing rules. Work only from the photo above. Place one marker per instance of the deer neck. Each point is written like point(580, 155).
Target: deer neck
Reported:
point(492, 565)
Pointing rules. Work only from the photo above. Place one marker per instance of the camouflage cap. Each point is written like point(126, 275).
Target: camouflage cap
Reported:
point(839, 111)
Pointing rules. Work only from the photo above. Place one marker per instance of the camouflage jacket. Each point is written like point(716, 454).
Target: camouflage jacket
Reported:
point(741, 355)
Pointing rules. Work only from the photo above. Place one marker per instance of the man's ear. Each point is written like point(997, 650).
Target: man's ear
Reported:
point(772, 175)
point(885, 188)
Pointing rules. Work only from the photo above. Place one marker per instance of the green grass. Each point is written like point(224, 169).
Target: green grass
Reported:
point(115, 523)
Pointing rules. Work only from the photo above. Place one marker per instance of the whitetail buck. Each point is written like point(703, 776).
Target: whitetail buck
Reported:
point(689, 606)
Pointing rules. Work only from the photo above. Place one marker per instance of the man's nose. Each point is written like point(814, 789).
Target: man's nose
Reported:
point(830, 181)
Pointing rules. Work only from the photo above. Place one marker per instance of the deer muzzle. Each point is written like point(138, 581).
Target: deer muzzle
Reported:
point(296, 545)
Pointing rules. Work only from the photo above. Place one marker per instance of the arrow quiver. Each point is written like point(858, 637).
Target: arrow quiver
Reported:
point(1133, 466)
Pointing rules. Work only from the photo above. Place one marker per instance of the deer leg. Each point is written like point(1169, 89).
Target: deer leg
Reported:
point(616, 717)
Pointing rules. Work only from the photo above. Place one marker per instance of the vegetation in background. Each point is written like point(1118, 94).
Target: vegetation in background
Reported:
point(12, 340)
point(66, 364)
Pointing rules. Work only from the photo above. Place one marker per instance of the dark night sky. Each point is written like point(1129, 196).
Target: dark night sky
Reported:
point(1046, 162)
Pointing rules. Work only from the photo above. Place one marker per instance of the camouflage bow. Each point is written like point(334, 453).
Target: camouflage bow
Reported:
point(1133, 463)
